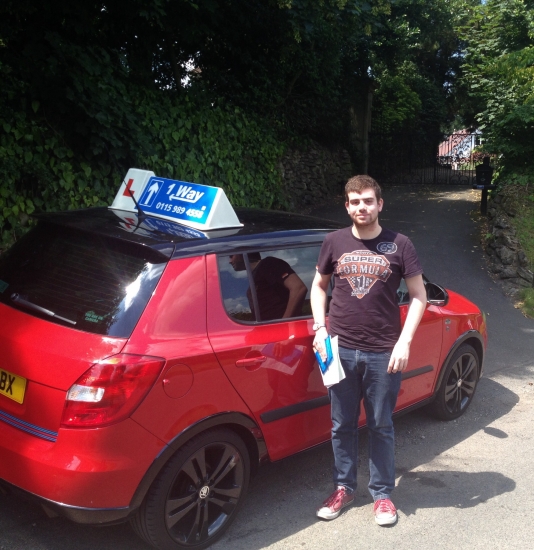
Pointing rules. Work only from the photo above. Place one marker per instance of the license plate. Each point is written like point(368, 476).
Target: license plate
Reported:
point(12, 386)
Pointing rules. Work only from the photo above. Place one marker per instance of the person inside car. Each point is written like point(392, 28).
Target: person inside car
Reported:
point(279, 290)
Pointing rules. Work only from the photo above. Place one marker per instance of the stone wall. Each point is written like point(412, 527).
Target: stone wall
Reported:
point(508, 262)
point(314, 174)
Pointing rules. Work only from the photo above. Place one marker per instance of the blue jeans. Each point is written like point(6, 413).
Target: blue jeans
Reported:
point(367, 378)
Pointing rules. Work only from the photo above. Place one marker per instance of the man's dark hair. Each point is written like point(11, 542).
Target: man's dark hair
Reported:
point(357, 184)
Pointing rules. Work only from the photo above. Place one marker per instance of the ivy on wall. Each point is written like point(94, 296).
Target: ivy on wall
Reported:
point(201, 91)
point(214, 146)
point(180, 137)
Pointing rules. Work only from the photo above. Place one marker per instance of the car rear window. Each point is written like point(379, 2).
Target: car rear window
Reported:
point(87, 282)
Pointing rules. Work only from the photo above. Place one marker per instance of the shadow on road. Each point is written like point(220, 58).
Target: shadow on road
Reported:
point(284, 496)
point(449, 489)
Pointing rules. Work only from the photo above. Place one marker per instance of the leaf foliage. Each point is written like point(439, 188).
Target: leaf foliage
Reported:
point(499, 76)
point(202, 90)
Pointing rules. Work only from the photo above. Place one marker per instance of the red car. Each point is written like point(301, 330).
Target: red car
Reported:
point(144, 375)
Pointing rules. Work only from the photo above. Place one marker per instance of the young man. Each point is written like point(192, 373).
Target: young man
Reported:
point(367, 262)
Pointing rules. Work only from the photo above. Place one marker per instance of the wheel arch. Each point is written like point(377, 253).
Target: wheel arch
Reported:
point(475, 340)
point(239, 423)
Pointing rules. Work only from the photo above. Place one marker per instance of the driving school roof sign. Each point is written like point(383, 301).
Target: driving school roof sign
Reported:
point(199, 206)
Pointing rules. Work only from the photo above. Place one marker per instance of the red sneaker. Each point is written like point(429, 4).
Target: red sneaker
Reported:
point(385, 512)
point(333, 505)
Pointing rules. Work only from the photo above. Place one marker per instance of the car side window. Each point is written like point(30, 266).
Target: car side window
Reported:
point(268, 285)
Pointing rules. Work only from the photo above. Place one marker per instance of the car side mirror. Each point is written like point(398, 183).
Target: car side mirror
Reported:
point(436, 295)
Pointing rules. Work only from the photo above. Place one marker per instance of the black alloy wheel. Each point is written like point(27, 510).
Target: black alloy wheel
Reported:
point(197, 495)
point(458, 385)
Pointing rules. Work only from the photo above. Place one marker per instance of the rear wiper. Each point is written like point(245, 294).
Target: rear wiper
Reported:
point(15, 297)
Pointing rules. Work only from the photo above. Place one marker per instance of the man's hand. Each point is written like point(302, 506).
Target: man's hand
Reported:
point(318, 304)
point(399, 357)
point(318, 342)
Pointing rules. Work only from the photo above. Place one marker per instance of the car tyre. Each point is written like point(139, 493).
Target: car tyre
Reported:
point(198, 493)
point(459, 383)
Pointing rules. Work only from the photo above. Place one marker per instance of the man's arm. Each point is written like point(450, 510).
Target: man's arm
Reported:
point(297, 293)
point(401, 351)
point(318, 297)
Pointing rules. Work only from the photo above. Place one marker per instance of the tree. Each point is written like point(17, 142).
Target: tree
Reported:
point(416, 64)
point(499, 76)
point(92, 87)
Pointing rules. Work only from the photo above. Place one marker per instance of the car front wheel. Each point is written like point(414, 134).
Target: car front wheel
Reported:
point(458, 385)
point(198, 493)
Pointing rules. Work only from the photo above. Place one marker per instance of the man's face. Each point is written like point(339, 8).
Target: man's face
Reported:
point(237, 262)
point(363, 208)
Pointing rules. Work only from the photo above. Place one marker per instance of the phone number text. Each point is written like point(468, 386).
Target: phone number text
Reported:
point(191, 212)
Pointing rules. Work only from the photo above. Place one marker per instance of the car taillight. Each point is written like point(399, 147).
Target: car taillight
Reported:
point(110, 390)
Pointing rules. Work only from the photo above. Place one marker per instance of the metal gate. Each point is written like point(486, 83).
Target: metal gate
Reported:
point(396, 158)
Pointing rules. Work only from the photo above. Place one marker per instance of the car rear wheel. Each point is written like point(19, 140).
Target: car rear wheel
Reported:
point(458, 385)
point(198, 493)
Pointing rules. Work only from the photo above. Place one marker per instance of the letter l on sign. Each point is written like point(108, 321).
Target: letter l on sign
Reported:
point(128, 190)
point(134, 183)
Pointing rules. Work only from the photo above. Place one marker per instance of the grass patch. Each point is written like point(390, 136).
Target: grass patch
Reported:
point(527, 302)
point(520, 199)
point(524, 225)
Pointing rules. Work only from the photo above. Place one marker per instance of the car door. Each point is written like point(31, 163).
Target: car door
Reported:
point(269, 359)
point(423, 365)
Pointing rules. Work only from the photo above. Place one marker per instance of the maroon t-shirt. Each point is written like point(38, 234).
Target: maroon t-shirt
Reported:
point(269, 276)
point(364, 310)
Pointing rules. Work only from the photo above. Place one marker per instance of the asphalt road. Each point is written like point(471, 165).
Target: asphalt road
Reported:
point(466, 483)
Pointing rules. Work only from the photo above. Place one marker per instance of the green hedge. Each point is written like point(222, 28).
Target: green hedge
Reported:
point(181, 137)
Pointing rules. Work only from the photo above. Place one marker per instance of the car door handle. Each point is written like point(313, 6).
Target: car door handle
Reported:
point(251, 361)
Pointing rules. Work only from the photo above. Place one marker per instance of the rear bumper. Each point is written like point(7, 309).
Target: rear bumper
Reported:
point(89, 476)
point(78, 514)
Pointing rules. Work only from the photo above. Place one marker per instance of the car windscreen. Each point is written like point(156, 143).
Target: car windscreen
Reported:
point(80, 280)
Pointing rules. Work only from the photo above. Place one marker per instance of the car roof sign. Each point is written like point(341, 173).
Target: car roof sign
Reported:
point(132, 185)
point(199, 206)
